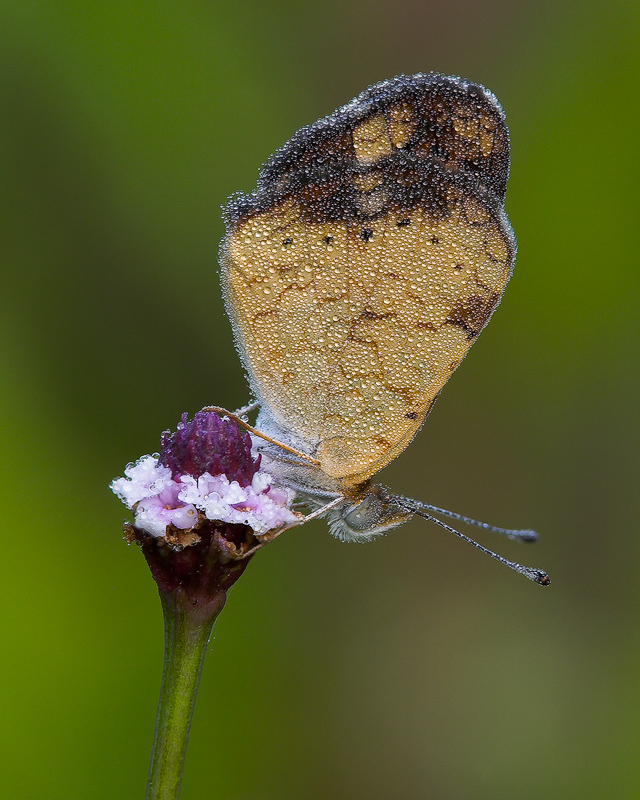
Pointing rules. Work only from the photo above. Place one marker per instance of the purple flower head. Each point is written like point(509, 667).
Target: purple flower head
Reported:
point(205, 475)
point(209, 444)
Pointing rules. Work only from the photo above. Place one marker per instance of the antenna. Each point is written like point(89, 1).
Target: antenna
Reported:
point(421, 509)
point(523, 535)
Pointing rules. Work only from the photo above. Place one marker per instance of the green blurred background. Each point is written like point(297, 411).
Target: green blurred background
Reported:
point(410, 668)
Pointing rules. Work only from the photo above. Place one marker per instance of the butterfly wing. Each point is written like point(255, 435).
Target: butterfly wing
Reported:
point(363, 267)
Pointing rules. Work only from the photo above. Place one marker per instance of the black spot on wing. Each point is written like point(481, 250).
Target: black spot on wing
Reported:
point(472, 314)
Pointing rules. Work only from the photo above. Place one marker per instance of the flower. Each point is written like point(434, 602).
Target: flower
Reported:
point(202, 508)
point(205, 471)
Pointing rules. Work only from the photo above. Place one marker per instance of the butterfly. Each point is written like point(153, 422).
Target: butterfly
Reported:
point(356, 276)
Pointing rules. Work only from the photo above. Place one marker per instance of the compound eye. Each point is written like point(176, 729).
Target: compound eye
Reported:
point(365, 515)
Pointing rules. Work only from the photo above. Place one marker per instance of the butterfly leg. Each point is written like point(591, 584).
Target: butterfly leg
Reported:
point(256, 432)
point(267, 538)
point(242, 412)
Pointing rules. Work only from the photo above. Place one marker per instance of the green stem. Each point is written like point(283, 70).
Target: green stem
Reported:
point(187, 629)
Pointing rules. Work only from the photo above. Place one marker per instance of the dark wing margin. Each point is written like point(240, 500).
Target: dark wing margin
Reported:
point(452, 140)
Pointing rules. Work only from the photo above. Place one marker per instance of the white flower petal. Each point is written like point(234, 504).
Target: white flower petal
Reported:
point(145, 478)
point(189, 490)
point(184, 517)
point(150, 520)
point(261, 481)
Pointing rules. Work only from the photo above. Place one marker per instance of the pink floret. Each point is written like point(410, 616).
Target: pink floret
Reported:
point(159, 500)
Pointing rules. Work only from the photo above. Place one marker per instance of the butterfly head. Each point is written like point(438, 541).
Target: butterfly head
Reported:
point(365, 515)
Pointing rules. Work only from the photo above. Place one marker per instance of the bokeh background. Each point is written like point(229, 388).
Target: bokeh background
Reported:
point(410, 668)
